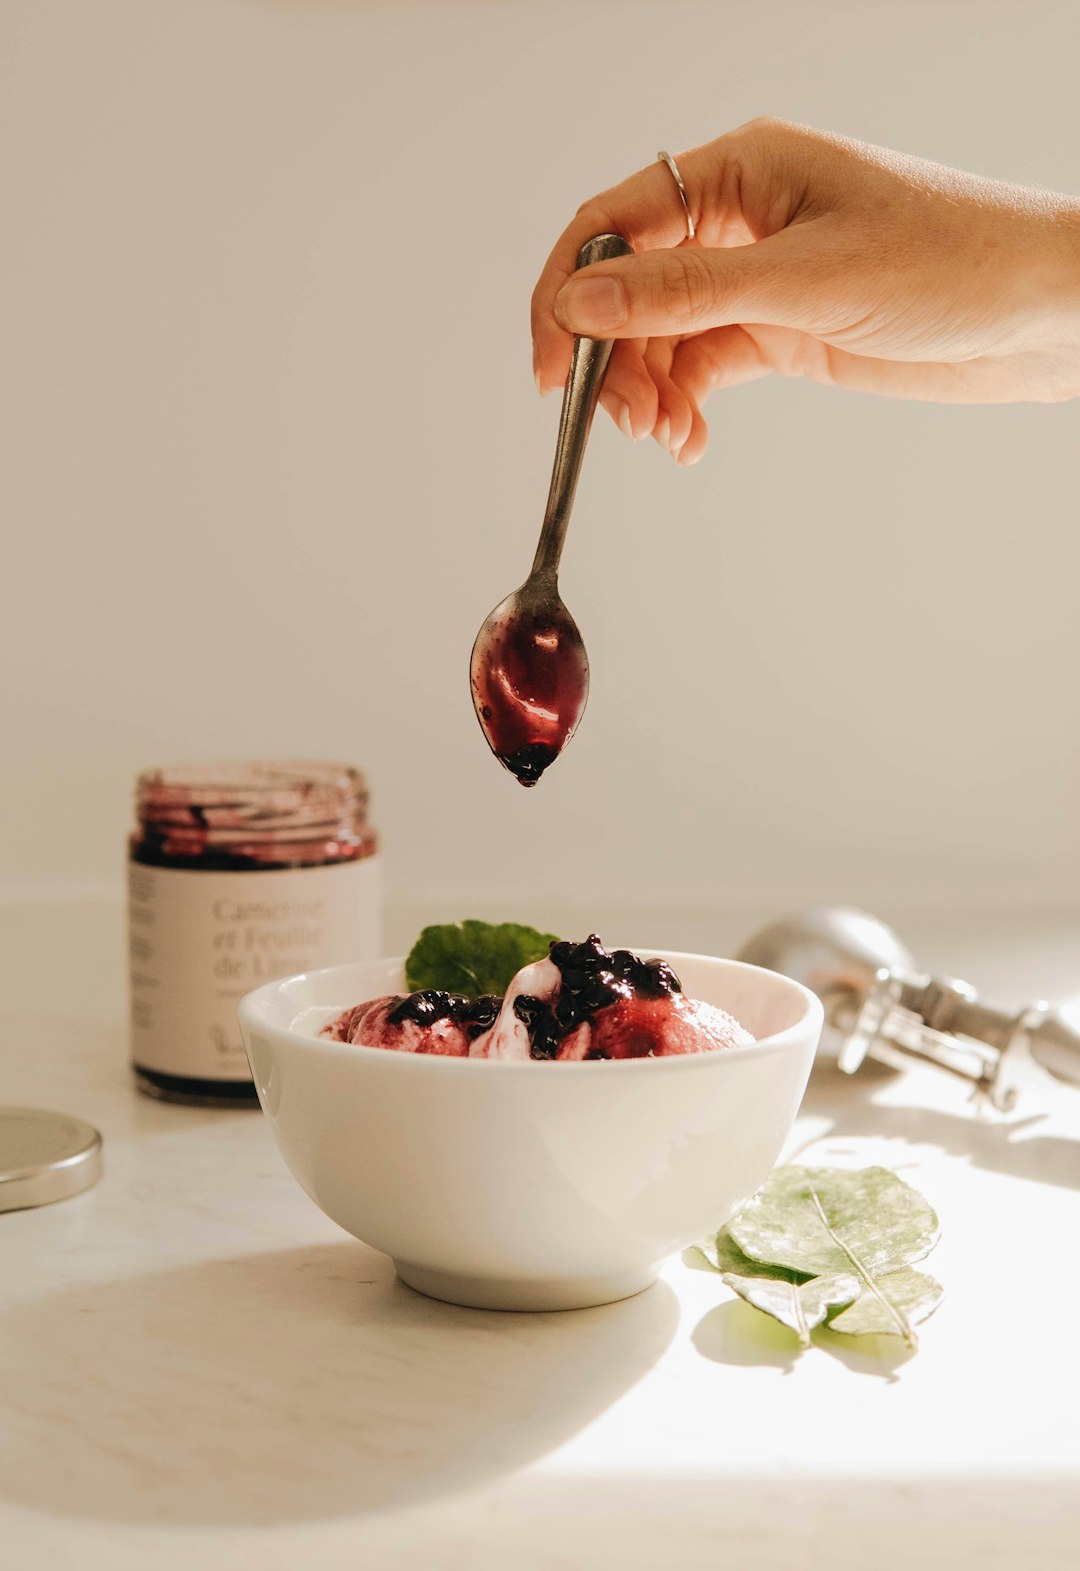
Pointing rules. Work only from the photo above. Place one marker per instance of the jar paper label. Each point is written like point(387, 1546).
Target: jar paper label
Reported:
point(200, 940)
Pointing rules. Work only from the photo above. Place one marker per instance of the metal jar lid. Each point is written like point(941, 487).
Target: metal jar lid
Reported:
point(45, 1157)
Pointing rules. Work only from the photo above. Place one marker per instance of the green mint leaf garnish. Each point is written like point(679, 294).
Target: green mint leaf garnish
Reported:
point(473, 957)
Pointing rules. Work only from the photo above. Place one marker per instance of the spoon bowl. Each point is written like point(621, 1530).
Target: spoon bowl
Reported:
point(530, 678)
point(528, 671)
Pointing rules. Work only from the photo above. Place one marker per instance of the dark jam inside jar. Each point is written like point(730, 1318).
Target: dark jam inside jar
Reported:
point(251, 817)
point(244, 818)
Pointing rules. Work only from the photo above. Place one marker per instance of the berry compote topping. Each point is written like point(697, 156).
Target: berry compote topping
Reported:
point(591, 980)
point(582, 1002)
point(474, 1015)
point(529, 686)
point(540, 1023)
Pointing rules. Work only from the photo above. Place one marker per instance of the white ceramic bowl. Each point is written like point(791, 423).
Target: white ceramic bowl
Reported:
point(510, 1185)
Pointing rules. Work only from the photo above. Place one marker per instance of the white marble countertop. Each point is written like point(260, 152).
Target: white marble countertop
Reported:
point(197, 1369)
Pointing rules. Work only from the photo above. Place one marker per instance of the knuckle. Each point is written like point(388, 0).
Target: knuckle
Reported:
point(772, 128)
point(805, 356)
point(687, 288)
point(760, 125)
point(592, 209)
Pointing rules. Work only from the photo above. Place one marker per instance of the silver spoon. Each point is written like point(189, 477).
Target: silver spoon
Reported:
point(528, 670)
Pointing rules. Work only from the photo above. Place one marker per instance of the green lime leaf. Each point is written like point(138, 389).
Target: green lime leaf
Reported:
point(916, 1294)
point(473, 957)
point(831, 1245)
point(866, 1223)
point(723, 1254)
point(800, 1305)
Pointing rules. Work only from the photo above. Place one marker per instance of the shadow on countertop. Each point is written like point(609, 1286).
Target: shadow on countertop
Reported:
point(302, 1384)
point(997, 1144)
point(737, 1334)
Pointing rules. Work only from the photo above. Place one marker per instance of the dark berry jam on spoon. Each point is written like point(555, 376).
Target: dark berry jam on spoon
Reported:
point(531, 680)
point(529, 671)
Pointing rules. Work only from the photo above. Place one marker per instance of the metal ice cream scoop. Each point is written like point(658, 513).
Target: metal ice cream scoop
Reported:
point(528, 671)
point(886, 1009)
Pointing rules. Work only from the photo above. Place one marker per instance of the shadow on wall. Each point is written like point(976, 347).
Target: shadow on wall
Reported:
point(304, 1384)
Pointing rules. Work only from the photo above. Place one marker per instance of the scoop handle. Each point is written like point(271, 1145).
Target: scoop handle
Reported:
point(587, 368)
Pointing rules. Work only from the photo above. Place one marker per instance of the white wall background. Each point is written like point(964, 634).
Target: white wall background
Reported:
point(272, 450)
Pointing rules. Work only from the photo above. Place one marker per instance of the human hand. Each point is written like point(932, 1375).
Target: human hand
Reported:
point(820, 257)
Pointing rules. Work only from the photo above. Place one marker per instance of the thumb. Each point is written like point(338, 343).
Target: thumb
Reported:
point(660, 294)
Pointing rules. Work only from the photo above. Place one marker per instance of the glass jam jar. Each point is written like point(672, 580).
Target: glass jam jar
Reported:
point(238, 874)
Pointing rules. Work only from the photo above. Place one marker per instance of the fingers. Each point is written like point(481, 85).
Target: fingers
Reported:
point(646, 211)
point(658, 388)
point(721, 358)
point(786, 280)
point(743, 186)
point(675, 413)
point(724, 357)
point(629, 393)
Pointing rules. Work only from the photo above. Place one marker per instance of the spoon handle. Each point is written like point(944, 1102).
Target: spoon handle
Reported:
point(587, 367)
